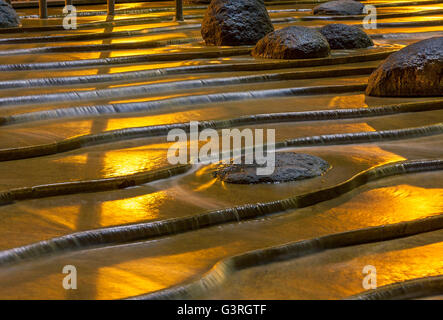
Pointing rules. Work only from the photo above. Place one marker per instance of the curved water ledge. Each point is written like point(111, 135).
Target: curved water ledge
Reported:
point(100, 47)
point(150, 230)
point(425, 23)
point(403, 4)
point(100, 35)
point(168, 103)
point(255, 66)
point(224, 268)
point(174, 86)
point(90, 25)
point(411, 289)
point(93, 13)
point(162, 130)
point(171, 56)
point(379, 16)
point(64, 188)
point(149, 74)
point(407, 35)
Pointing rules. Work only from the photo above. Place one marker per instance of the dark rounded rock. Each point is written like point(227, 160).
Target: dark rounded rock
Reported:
point(235, 22)
point(416, 70)
point(339, 8)
point(289, 166)
point(293, 42)
point(342, 36)
point(8, 16)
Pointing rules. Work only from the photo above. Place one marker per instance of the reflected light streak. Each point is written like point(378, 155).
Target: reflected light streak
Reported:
point(144, 207)
point(132, 160)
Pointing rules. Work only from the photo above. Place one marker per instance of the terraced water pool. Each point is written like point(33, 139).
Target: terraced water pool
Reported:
point(85, 179)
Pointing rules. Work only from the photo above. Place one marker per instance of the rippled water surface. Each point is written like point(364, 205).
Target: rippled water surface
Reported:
point(138, 225)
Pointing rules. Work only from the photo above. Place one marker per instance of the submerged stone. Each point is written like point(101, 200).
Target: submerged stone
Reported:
point(416, 70)
point(343, 36)
point(235, 22)
point(293, 42)
point(339, 8)
point(8, 17)
point(289, 166)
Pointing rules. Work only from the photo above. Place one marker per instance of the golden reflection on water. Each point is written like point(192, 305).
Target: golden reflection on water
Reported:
point(206, 185)
point(114, 124)
point(410, 202)
point(401, 265)
point(129, 283)
point(61, 217)
point(73, 159)
point(154, 37)
point(144, 207)
point(360, 154)
point(348, 101)
point(153, 273)
point(152, 98)
point(126, 53)
point(387, 205)
point(132, 160)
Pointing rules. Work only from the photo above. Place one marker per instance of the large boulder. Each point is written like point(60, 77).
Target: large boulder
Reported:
point(343, 36)
point(289, 166)
point(235, 22)
point(339, 8)
point(8, 16)
point(416, 70)
point(293, 42)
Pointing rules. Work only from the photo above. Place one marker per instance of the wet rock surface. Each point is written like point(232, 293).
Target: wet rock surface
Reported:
point(416, 70)
point(289, 166)
point(292, 43)
point(339, 8)
point(8, 16)
point(235, 22)
point(342, 36)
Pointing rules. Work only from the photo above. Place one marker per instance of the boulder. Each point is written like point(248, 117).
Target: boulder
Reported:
point(416, 70)
point(289, 166)
point(293, 42)
point(343, 36)
point(235, 22)
point(339, 8)
point(8, 17)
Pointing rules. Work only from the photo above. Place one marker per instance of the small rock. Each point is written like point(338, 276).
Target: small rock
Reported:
point(416, 70)
point(289, 166)
point(339, 8)
point(342, 36)
point(8, 16)
point(293, 42)
point(235, 22)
